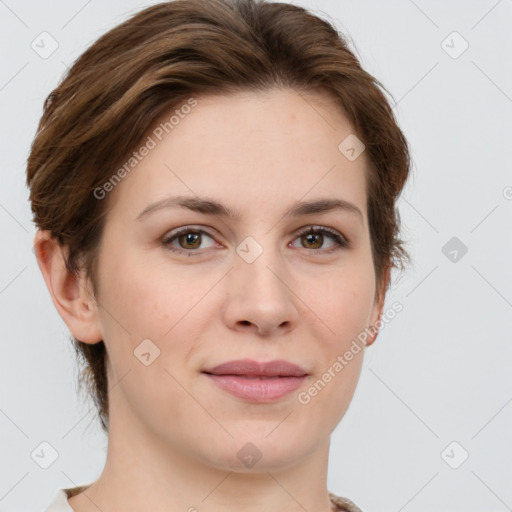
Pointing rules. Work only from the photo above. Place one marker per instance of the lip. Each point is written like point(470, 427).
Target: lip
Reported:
point(251, 368)
point(254, 381)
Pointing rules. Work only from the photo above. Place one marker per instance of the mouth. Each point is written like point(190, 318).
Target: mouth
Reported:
point(259, 382)
point(251, 368)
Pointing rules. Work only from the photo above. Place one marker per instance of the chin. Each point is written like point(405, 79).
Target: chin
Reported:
point(255, 453)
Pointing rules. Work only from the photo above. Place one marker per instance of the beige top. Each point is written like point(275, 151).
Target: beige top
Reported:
point(60, 501)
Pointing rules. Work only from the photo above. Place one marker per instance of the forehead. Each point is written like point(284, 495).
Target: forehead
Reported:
point(276, 144)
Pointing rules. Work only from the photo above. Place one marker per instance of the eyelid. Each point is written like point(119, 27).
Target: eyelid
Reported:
point(175, 233)
point(339, 239)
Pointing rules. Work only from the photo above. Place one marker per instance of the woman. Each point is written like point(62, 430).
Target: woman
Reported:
point(214, 185)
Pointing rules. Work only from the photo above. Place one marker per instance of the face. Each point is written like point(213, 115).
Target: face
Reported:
point(185, 289)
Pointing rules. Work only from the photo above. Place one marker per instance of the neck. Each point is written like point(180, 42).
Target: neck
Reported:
point(144, 473)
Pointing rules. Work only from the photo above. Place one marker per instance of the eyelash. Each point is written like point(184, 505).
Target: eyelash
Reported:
point(340, 241)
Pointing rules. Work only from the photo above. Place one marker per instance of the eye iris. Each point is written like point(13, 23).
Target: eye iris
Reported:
point(191, 237)
point(317, 235)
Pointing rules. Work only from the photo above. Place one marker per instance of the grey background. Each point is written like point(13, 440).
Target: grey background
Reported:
point(438, 373)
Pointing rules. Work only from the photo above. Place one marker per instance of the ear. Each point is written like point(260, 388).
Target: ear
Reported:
point(72, 296)
point(378, 306)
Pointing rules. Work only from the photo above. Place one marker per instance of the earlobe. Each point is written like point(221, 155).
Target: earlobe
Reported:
point(71, 295)
point(373, 329)
point(377, 309)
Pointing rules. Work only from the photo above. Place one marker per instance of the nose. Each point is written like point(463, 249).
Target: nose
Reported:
point(260, 296)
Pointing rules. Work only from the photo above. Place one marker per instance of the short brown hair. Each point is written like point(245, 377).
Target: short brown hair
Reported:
point(154, 61)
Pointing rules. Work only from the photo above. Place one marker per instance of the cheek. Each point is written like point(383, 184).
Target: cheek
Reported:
point(156, 302)
point(344, 306)
point(144, 298)
point(343, 301)
point(140, 304)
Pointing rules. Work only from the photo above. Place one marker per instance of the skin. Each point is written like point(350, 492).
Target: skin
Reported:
point(174, 435)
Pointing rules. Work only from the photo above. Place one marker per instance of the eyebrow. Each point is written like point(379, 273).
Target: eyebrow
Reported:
point(210, 206)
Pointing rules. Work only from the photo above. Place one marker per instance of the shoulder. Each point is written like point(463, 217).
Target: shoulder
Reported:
point(60, 500)
point(344, 504)
point(72, 491)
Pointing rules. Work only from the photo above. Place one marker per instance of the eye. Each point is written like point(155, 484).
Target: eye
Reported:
point(315, 236)
point(188, 238)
